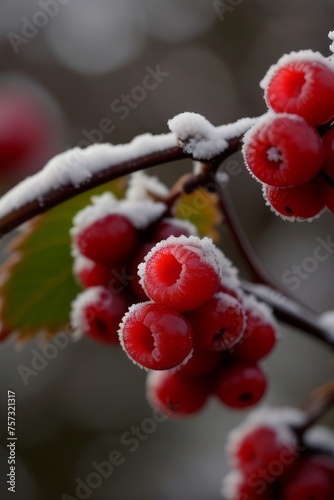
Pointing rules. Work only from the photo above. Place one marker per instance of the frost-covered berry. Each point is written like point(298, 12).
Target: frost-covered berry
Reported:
point(297, 202)
point(283, 150)
point(260, 334)
point(175, 394)
point(97, 313)
point(90, 273)
point(240, 385)
point(201, 363)
point(181, 273)
point(264, 438)
point(302, 83)
point(218, 324)
point(155, 336)
point(108, 241)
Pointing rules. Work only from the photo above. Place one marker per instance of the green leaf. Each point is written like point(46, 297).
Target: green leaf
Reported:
point(201, 208)
point(38, 285)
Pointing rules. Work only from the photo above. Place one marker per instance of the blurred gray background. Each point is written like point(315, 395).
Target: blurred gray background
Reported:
point(79, 61)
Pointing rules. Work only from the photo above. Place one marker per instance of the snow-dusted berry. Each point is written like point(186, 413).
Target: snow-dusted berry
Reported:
point(303, 84)
point(218, 324)
point(297, 202)
point(283, 150)
point(240, 385)
point(108, 241)
point(90, 273)
point(97, 313)
point(155, 336)
point(264, 437)
point(175, 394)
point(181, 273)
point(260, 334)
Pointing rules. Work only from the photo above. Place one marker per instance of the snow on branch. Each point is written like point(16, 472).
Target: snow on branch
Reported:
point(78, 170)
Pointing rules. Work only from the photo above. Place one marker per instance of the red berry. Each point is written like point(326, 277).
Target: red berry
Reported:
point(182, 272)
point(201, 363)
point(240, 385)
point(155, 336)
point(218, 324)
point(327, 173)
point(108, 241)
point(302, 85)
point(259, 446)
point(260, 334)
point(297, 202)
point(173, 227)
point(28, 136)
point(283, 150)
point(309, 480)
point(97, 313)
point(175, 394)
point(135, 285)
point(90, 273)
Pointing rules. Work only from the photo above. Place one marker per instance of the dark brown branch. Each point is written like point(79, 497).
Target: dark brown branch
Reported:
point(58, 196)
point(291, 312)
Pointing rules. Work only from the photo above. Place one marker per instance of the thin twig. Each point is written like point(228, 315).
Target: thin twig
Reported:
point(291, 312)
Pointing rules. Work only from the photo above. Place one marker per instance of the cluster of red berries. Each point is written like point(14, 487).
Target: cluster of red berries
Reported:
point(270, 461)
point(110, 238)
point(285, 150)
point(198, 334)
point(173, 301)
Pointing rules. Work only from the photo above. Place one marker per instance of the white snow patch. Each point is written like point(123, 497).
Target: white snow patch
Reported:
point(182, 224)
point(273, 154)
point(141, 213)
point(201, 139)
point(76, 166)
point(145, 187)
point(320, 437)
point(81, 262)
point(229, 273)
point(294, 57)
point(231, 484)
point(331, 37)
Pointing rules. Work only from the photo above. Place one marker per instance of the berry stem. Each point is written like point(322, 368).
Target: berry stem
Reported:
point(291, 312)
